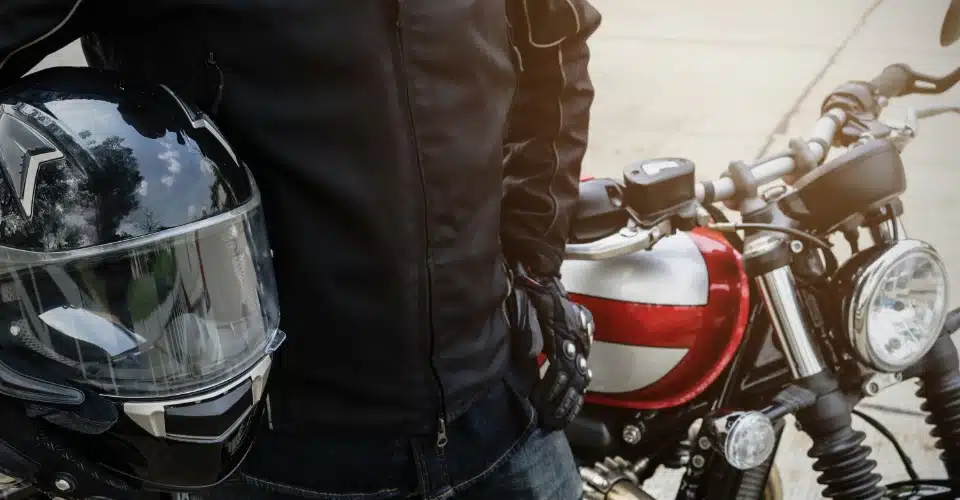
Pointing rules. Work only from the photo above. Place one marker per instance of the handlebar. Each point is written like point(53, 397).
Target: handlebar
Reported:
point(771, 170)
point(637, 239)
point(894, 81)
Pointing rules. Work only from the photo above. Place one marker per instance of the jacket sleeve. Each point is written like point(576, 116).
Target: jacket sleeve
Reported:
point(33, 29)
point(547, 134)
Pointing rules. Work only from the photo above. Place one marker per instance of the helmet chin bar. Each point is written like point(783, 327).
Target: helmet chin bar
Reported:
point(205, 418)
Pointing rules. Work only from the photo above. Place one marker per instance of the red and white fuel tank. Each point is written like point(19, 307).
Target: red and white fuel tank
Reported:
point(668, 319)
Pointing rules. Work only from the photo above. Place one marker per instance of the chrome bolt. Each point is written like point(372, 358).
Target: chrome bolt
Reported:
point(872, 388)
point(63, 484)
point(631, 434)
point(796, 246)
point(697, 461)
point(704, 443)
point(582, 364)
point(14, 330)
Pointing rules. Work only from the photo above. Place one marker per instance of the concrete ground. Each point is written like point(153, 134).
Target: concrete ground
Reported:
point(720, 81)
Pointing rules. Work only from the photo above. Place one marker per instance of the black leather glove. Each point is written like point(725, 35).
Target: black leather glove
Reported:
point(540, 307)
point(38, 409)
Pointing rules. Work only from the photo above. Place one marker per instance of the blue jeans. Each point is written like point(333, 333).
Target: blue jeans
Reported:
point(494, 451)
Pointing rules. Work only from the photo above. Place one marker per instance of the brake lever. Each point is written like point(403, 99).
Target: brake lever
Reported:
point(933, 85)
point(901, 133)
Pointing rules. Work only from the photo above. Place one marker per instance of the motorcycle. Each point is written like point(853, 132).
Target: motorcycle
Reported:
point(705, 340)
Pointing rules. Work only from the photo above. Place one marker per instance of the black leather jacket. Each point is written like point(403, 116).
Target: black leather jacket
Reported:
point(402, 147)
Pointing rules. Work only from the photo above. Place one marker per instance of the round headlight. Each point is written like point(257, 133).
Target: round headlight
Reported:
point(898, 305)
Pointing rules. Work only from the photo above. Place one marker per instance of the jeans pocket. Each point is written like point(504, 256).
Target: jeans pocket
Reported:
point(517, 393)
point(274, 490)
point(330, 465)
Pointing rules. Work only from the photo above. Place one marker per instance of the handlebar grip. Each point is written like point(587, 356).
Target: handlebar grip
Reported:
point(893, 81)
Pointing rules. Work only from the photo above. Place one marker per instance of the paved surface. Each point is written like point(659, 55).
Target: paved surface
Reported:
point(720, 81)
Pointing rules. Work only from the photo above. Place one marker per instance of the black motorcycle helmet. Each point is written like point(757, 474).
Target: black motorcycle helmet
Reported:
point(133, 256)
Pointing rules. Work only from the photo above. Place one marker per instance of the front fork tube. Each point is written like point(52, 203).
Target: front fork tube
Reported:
point(888, 230)
point(841, 459)
point(779, 291)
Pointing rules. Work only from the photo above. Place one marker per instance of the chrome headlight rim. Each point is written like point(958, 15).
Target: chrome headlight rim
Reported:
point(867, 285)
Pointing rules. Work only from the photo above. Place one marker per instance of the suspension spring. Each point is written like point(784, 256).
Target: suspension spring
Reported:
point(845, 466)
point(943, 404)
point(940, 388)
point(840, 457)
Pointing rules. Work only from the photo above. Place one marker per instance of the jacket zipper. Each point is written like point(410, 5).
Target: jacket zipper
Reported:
point(441, 418)
point(212, 62)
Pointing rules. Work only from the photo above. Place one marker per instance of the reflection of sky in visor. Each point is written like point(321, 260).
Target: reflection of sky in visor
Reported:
point(92, 328)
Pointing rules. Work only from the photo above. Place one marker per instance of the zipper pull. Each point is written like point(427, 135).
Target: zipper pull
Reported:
point(442, 433)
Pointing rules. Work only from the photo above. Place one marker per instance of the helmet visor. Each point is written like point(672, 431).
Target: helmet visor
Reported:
point(167, 314)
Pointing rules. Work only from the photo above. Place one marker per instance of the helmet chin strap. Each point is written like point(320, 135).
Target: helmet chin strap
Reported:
point(39, 456)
